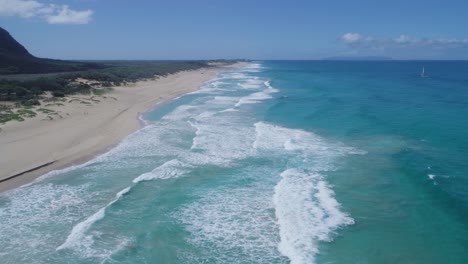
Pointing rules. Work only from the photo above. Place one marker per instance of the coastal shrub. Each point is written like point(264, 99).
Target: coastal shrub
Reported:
point(30, 102)
point(47, 84)
point(26, 113)
point(99, 91)
point(58, 93)
point(5, 117)
point(45, 110)
point(54, 104)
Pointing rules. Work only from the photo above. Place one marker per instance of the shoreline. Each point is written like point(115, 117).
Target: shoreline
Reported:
point(36, 146)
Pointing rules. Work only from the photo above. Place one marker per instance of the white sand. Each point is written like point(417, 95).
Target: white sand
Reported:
point(85, 130)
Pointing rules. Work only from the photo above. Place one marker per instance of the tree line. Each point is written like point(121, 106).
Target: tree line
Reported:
point(113, 73)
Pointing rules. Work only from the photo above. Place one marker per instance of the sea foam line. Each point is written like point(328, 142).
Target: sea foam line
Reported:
point(305, 207)
point(257, 96)
point(79, 230)
point(170, 169)
point(307, 213)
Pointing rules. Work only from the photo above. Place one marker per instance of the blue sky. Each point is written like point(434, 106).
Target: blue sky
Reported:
point(208, 29)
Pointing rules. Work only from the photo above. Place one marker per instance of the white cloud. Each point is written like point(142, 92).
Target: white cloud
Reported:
point(356, 40)
point(405, 46)
point(351, 37)
point(403, 39)
point(53, 14)
point(68, 16)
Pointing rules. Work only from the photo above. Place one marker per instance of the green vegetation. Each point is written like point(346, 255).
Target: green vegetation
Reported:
point(27, 88)
point(55, 104)
point(117, 73)
point(8, 113)
point(9, 117)
point(102, 91)
point(26, 113)
point(45, 110)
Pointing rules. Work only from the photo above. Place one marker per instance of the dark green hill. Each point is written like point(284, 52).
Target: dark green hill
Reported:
point(9, 46)
point(15, 59)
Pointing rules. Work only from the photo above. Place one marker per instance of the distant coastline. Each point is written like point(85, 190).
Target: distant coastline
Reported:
point(351, 58)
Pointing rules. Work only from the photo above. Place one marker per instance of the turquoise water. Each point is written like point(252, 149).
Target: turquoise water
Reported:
point(277, 162)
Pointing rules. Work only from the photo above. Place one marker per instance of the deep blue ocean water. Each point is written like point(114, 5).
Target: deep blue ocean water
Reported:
point(277, 162)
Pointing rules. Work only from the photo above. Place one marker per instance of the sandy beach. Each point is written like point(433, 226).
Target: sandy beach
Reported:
point(85, 126)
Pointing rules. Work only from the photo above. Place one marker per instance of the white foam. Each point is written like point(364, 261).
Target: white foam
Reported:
point(432, 178)
point(306, 209)
point(237, 75)
point(307, 213)
point(273, 137)
point(251, 84)
point(211, 87)
point(170, 169)
point(229, 110)
point(270, 88)
point(225, 100)
point(233, 225)
point(152, 140)
point(248, 86)
point(181, 112)
point(60, 171)
point(253, 67)
point(27, 216)
point(79, 230)
point(257, 97)
point(220, 141)
point(216, 83)
point(253, 98)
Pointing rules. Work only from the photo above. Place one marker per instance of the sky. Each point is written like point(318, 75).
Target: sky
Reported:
point(228, 29)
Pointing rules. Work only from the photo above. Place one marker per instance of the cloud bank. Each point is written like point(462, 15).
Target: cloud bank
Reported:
point(404, 45)
point(51, 13)
point(356, 39)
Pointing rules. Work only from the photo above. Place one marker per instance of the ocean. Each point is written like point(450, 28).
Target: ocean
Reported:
point(277, 162)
